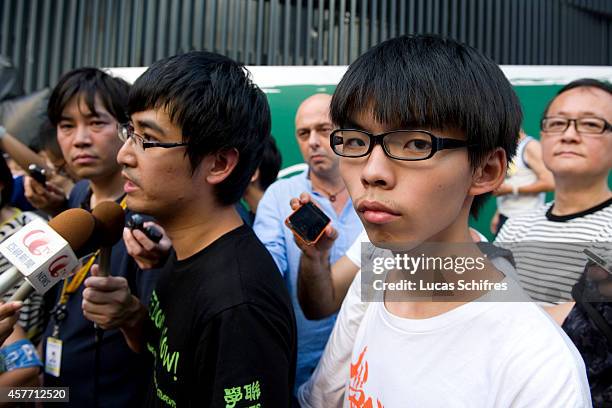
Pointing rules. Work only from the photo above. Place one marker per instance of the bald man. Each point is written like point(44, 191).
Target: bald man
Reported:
point(323, 182)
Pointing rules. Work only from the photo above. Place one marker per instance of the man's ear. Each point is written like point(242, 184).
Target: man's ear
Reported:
point(220, 165)
point(490, 173)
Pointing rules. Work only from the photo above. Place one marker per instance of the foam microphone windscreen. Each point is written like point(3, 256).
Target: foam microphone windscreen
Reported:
point(75, 225)
point(110, 220)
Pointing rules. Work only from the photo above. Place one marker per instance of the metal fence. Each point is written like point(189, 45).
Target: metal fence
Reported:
point(44, 38)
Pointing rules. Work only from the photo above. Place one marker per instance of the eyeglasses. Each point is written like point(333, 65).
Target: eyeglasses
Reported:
point(557, 124)
point(126, 132)
point(408, 145)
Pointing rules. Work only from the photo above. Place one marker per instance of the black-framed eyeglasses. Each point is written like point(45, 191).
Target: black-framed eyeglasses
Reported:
point(126, 132)
point(559, 124)
point(408, 145)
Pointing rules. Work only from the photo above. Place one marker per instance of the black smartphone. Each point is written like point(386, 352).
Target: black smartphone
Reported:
point(136, 221)
point(37, 173)
point(308, 223)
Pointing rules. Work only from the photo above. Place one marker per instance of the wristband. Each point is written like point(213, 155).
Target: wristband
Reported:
point(20, 354)
point(515, 190)
point(2, 132)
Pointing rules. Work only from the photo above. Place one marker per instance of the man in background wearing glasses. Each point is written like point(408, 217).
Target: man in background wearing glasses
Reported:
point(576, 140)
point(426, 127)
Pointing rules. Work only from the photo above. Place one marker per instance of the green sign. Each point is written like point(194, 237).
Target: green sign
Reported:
point(287, 86)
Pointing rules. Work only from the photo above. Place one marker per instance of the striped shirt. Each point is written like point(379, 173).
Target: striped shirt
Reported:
point(31, 314)
point(548, 248)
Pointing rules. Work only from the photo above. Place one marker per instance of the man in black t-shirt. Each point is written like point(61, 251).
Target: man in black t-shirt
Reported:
point(220, 328)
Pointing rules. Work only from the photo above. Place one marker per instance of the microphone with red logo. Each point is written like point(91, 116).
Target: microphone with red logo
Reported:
point(41, 252)
point(83, 232)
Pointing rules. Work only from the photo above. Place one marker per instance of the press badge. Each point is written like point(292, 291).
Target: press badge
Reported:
point(53, 356)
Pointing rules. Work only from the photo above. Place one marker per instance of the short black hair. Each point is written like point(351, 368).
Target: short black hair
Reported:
point(216, 105)
point(428, 81)
point(580, 83)
point(6, 178)
point(89, 83)
point(270, 165)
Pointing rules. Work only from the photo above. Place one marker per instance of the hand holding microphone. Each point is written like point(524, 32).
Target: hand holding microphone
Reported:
point(107, 300)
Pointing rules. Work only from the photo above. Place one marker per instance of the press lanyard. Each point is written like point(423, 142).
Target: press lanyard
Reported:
point(72, 285)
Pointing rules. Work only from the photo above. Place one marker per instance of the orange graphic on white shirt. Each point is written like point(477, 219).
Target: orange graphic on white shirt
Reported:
point(359, 376)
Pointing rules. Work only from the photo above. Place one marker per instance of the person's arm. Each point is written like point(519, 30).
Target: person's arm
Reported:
point(107, 301)
point(22, 154)
point(545, 181)
point(19, 377)
point(321, 286)
point(494, 222)
point(269, 227)
point(559, 312)
point(249, 351)
point(48, 198)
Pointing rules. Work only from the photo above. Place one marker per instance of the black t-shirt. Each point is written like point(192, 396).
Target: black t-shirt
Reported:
point(123, 375)
point(221, 329)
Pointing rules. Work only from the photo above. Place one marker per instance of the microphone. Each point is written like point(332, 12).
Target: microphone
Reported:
point(42, 253)
point(110, 220)
point(66, 225)
point(107, 221)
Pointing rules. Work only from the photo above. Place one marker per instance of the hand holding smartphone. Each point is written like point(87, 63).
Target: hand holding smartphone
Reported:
point(38, 173)
point(308, 222)
point(137, 222)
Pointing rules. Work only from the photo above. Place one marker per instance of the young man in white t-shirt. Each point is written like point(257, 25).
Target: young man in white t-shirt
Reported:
point(426, 129)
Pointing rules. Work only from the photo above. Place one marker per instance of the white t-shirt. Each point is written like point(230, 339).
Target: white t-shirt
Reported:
point(480, 354)
point(354, 252)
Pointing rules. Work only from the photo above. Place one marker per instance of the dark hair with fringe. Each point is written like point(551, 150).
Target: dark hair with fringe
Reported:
point(426, 81)
point(89, 83)
point(216, 105)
